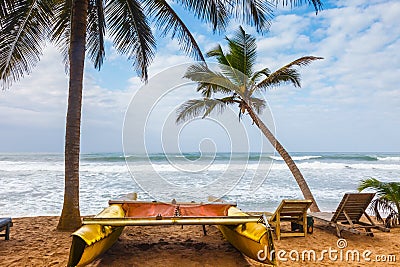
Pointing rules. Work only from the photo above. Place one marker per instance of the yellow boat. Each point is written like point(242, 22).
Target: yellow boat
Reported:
point(253, 239)
point(98, 234)
point(90, 241)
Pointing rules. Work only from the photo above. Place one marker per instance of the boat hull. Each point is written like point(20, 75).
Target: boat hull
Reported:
point(90, 241)
point(252, 239)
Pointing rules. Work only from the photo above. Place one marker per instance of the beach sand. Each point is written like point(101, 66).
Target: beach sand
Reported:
point(34, 241)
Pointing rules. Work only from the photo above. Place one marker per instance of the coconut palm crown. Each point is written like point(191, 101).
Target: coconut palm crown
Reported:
point(387, 200)
point(241, 84)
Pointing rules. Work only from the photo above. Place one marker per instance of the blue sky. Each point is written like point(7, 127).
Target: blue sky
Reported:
point(350, 101)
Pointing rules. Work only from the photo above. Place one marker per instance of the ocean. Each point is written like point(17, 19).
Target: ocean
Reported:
point(32, 184)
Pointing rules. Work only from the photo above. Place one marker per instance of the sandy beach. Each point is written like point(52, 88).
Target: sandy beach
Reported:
point(34, 241)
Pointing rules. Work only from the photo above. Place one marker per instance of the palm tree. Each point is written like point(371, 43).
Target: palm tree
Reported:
point(240, 83)
point(388, 200)
point(77, 26)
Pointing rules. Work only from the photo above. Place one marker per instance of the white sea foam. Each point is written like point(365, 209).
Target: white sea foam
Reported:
point(30, 166)
point(298, 158)
point(31, 178)
point(389, 158)
point(216, 166)
point(341, 166)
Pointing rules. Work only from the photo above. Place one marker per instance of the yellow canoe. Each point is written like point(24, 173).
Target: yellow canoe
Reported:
point(252, 239)
point(98, 234)
point(90, 241)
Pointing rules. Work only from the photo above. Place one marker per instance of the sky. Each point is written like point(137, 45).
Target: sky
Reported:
point(349, 101)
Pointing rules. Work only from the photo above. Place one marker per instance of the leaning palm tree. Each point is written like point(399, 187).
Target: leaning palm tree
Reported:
point(387, 201)
point(241, 84)
point(78, 28)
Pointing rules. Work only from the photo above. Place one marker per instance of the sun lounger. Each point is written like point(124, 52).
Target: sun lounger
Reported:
point(292, 211)
point(348, 214)
point(5, 224)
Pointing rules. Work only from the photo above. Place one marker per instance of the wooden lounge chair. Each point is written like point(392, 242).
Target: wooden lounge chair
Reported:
point(5, 224)
point(348, 214)
point(292, 211)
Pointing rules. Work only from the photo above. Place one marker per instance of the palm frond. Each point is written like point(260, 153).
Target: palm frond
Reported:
point(61, 31)
point(212, 105)
point(294, 3)
point(257, 104)
point(258, 74)
point(211, 80)
point(95, 32)
point(392, 219)
point(25, 27)
point(389, 191)
point(371, 183)
point(256, 13)
point(388, 199)
point(196, 107)
point(229, 99)
point(218, 54)
point(303, 61)
point(394, 192)
point(131, 33)
point(168, 21)
point(242, 52)
point(283, 76)
point(6, 6)
point(379, 205)
point(210, 11)
point(236, 77)
point(207, 89)
point(287, 74)
point(237, 64)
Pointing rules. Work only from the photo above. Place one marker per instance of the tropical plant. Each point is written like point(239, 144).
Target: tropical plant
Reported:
point(77, 26)
point(387, 200)
point(240, 84)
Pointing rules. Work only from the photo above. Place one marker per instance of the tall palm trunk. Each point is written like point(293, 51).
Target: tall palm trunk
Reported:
point(70, 216)
point(286, 157)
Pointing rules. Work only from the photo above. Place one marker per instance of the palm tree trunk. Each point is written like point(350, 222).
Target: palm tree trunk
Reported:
point(70, 217)
point(286, 157)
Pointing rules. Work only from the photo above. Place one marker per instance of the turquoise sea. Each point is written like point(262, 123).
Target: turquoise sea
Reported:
point(32, 183)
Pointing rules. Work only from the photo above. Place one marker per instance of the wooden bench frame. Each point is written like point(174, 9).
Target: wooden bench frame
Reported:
point(348, 214)
point(5, 224)
point(292, 211)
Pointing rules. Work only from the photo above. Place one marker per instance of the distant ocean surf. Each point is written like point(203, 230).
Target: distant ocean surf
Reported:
point(33, 183)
